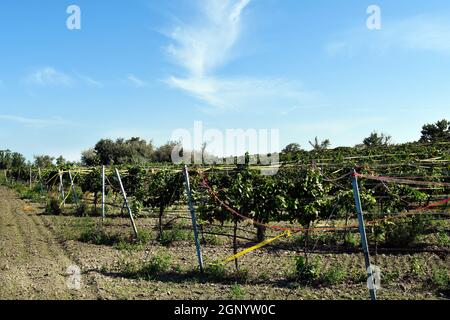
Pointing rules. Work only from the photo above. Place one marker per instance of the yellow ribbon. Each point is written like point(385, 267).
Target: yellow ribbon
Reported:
point(286, 234)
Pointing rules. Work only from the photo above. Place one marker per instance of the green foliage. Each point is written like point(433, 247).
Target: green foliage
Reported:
point(158, 265)
point(441, 278)
point(237, 292)
point(334, 275)
point(440, 131)
point(305, 270)
point(53, 207)
point(215, 271)
point(351, 241)
point(168, 237)
point(404, 232)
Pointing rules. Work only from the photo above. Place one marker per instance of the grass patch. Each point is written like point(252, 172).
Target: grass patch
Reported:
point(158, 265)
point(168, 237)
point(237, 292)
point(440, 278)
point(306, 271)
point(334, 275)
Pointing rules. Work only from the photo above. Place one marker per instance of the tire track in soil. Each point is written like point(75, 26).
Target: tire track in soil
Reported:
point(33, 264)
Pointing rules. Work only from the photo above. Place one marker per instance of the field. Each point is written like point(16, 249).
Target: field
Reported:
point(37, 249)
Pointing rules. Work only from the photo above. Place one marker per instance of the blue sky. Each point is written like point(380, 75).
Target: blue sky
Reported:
point(147, 68)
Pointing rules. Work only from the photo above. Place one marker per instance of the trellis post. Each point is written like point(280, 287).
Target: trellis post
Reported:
point(72, 185)
point(103, 193)
point(126, 203)
point(31, 181)
point(61, 188)
point(194, 218)
point(362, 231)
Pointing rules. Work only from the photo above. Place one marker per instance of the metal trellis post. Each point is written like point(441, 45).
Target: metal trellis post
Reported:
point(194, 218)
point(61, 188)
point(103, 193)
point(72, 185)
point(126, 203)
point(362, 231)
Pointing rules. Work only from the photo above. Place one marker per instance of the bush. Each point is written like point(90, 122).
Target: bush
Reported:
point(237, 292)
point(441, 278)
point(168, 237)
point(53, 207)
point(334, 275)
point(404, 233)
point(215, 271)
point(351, 241)
point(82, 210)
point(158, 264)
point(100, 237)
point(306, 271)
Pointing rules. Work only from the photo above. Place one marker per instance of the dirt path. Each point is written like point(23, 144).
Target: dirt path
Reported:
point(33, 264)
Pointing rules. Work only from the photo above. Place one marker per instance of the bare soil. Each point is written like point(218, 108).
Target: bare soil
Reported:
point(37, 249)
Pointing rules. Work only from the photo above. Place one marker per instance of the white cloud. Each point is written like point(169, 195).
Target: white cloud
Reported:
point(90, 81)
point(244, 93)
point(422, 32)
point(136, 81)
point(33, 122)
point(202, 47)
point(49, 76)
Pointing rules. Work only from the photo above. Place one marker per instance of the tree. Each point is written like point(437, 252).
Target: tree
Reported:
point(17, 160)
point(121, 151)
point(164, 152)
point(320, 145)
point(163, 190)
point(60, 161)
point(43, 161)
point(440, 131)
point(292, 148)
point(377, 140)
point(90, 158)
point(5, 159)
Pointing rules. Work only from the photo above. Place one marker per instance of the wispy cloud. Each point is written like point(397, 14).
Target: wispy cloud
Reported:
point(49, 76)
point(422, 32)
point(33, 122)
point(204, 46)
point(90, 81)
point(136, 81)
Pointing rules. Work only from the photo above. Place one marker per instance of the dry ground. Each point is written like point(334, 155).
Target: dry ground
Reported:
point(37, 249)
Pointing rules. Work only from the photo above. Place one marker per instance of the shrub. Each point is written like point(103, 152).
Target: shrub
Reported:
point(81, 210)
point(157, 265)
point(215, 271)
point(168, 237)
point(441, 278)
point(306, 271)
point(404, 233)
point(53, 207)
point(334, 275)
point(237, 292)
point(351, 241)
